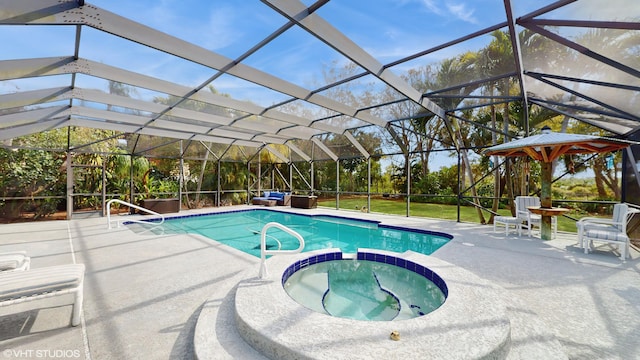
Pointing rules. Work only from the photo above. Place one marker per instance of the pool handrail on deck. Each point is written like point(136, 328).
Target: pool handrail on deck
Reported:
point(263, 246)
point(133, 206)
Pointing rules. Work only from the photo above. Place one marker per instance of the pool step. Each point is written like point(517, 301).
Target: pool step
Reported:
point(472, 323)
point(236, 325)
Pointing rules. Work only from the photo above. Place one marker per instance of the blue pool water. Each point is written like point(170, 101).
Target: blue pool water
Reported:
point(364, 289)
point(241, 230)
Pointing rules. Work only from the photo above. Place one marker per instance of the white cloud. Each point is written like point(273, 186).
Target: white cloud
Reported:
point(462, 12)
point(162, 14)
point(219, 32)
point(446, 8)
point(618, 10)
point(433, 7)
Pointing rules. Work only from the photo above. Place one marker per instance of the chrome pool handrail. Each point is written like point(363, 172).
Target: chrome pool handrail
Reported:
point(263, 246)
point(133, 206)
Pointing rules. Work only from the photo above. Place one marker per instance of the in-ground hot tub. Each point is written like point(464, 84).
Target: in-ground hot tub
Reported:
point(372, 287)
point(472, 322)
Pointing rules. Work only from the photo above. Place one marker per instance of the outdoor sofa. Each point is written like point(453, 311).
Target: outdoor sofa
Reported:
point(268, 197)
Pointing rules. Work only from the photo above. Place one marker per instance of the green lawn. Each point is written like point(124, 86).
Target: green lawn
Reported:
point(436, 211)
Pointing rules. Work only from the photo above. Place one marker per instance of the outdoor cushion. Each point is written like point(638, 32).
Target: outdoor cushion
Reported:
point(275, 195)
point(610, 234)
point(595, 226)
point(17, 284)
point(281, 198)
point(507, 221)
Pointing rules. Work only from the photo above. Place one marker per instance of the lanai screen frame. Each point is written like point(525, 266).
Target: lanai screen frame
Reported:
point(239, 129)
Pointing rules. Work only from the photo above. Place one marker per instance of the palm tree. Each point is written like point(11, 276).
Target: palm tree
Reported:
point(497, 59)
point(459, 70)
point(622, 46)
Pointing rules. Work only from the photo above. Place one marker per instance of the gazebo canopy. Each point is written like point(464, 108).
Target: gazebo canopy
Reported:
point(548, 146)
point(286, 75)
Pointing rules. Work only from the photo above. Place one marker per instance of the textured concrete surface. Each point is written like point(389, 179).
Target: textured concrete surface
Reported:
point(471, 324)
point(144, 292)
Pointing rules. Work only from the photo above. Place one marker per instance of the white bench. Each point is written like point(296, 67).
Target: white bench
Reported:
point(35, 284)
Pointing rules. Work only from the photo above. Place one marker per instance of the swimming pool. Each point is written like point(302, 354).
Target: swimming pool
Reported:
point(241, 230)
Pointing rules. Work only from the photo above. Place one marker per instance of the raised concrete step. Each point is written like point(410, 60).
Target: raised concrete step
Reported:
point(477, 321)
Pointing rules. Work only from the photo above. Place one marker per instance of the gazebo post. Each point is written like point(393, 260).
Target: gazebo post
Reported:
point(545, 200)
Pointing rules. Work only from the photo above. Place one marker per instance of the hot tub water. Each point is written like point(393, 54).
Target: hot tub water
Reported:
point(364, 289)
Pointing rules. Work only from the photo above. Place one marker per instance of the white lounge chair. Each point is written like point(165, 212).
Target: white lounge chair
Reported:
point(527, 219)
point(612, 231)
point(34, 284)
point(16, 260)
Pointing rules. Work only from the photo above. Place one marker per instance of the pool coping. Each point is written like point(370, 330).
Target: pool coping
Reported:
point(471, 324)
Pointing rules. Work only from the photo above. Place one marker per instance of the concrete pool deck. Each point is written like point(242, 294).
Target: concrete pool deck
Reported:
point(144, 292)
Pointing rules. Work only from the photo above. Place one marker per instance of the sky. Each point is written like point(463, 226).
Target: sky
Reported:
point(388, 30)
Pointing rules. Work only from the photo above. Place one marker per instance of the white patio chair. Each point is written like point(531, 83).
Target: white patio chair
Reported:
point(612, 231)
point(34, 284)
point(14, 261)
point(527, 219)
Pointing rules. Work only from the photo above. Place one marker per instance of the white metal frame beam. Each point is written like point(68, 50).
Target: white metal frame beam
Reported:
point(296, 11)
point(324, 148)
point(357, 144)
point(104, 20)
point(298, 151)
point(258, 125)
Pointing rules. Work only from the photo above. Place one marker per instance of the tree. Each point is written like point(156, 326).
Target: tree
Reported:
point(27, 174)
point(199, 106)
point(459, 70)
